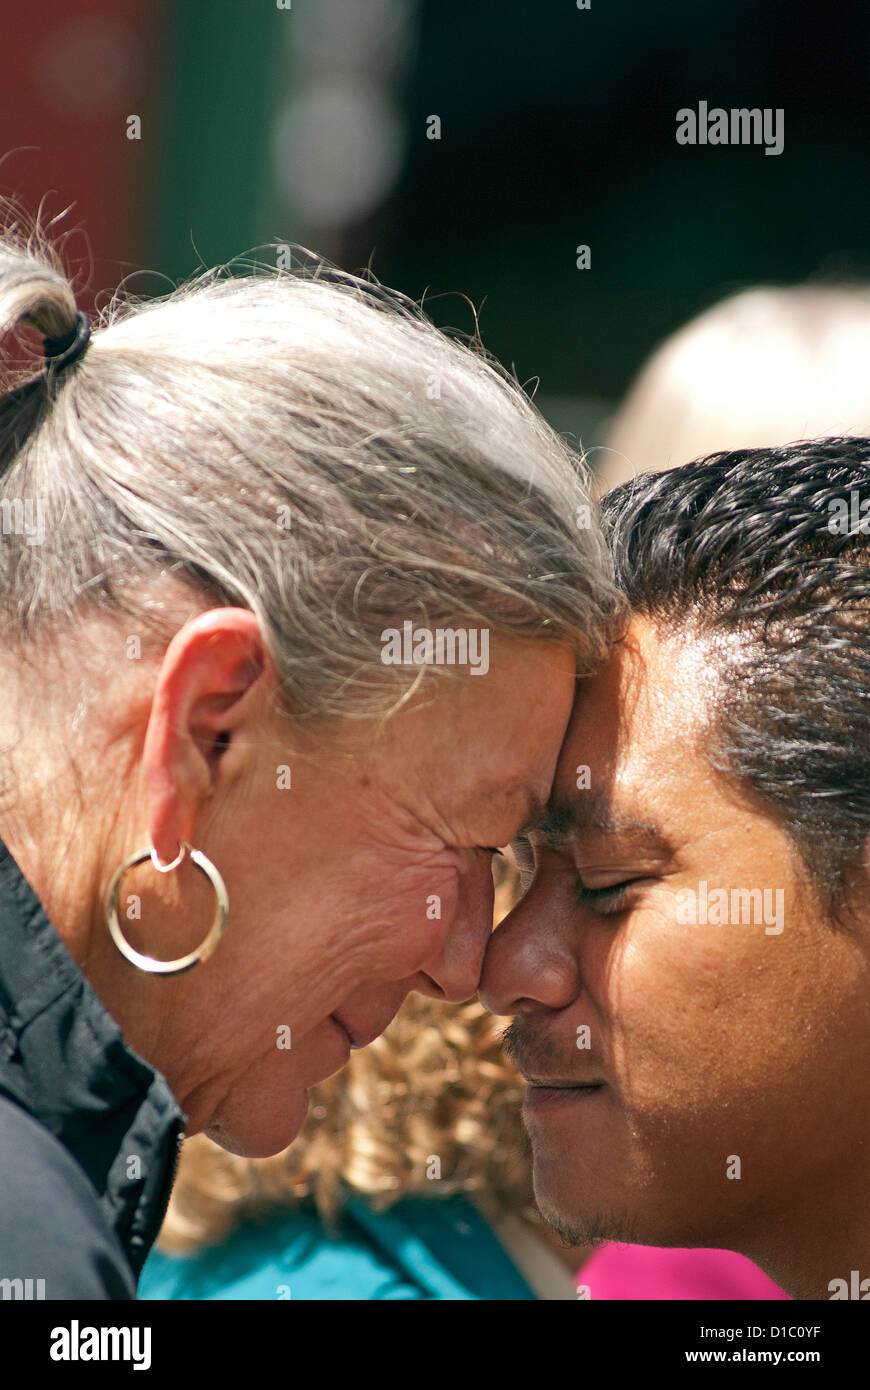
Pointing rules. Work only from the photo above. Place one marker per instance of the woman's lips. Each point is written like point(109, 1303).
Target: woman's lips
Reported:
point(355, 1038)
point(341, 1028)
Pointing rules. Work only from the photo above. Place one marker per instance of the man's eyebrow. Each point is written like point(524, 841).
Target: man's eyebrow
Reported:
point(591, 813)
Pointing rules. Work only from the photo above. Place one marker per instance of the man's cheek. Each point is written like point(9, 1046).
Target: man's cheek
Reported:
point(664, 1027)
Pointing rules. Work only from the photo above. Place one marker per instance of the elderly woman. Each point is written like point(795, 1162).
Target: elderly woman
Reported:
point(293, 599)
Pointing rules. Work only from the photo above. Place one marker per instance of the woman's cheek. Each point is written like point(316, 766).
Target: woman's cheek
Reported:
point(420, 917)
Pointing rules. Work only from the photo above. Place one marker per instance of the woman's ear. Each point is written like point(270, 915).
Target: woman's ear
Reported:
point(212, 679)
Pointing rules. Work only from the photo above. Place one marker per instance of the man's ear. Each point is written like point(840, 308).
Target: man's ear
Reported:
point(213, 674)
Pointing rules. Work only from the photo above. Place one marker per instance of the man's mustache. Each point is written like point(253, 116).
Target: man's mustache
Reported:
point(532, 1050)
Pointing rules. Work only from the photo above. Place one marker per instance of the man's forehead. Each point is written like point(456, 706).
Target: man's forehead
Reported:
point(658, 688)
point(634, 732)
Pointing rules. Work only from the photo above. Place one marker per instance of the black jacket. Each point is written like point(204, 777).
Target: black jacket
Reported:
point(89, 1133)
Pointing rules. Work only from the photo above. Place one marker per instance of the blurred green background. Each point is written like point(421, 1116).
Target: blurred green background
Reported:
point(310, 121)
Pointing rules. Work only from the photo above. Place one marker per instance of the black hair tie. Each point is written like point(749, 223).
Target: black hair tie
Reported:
point(60, 352)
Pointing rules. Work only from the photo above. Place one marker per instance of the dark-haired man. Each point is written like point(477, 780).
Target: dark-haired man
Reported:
point(689, 971)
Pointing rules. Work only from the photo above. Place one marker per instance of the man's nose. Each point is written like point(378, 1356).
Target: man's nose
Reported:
point(454, 973)
point(529, 957)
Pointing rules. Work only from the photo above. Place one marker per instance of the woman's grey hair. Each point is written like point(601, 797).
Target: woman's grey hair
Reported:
point(302, 443)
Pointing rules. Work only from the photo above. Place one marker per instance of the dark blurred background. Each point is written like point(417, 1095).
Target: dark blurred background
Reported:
point(310, 122)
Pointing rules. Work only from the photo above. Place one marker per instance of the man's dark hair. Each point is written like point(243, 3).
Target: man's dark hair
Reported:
point(766, 546)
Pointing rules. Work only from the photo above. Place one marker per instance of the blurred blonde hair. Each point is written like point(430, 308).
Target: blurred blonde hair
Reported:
point(763, 367)
point(436, 1083)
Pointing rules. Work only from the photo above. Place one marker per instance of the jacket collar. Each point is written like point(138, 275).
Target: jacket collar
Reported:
point(64, 1059)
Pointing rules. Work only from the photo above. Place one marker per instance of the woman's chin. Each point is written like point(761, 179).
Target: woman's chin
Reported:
point(253, 1135)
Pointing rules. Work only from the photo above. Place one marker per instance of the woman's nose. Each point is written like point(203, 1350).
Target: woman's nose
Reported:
point(454, 974)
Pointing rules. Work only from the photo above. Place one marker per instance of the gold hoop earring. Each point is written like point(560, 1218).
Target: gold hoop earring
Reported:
point(150, 964)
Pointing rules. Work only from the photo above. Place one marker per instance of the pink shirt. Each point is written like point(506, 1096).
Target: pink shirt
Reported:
point(645, 1272)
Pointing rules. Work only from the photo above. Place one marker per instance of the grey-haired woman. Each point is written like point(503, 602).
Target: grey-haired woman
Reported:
point(293, 593)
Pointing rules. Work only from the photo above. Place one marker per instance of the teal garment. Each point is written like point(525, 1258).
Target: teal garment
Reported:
point(419, 1248)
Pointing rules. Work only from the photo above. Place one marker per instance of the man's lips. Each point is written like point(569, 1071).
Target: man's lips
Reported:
point(541, 1093)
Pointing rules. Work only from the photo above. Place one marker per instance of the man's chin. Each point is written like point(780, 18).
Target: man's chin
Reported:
point(579, 1219)
point(593, 1226)
point(583, 1211)
point(585, 1204)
